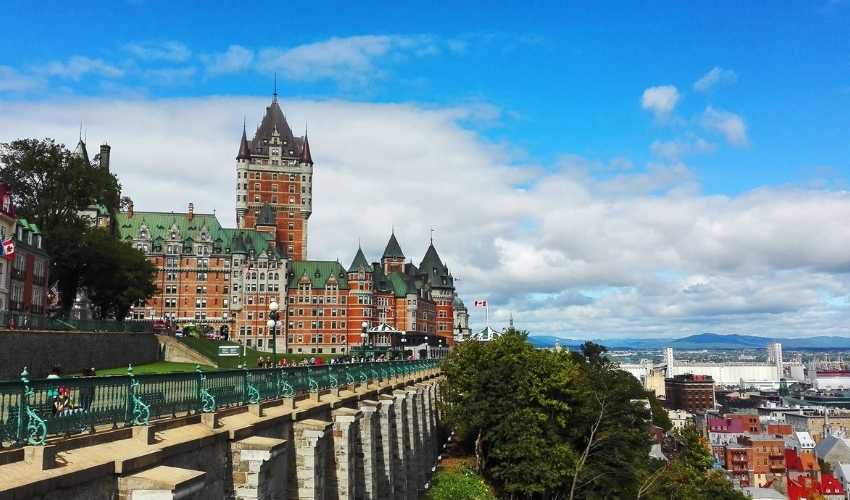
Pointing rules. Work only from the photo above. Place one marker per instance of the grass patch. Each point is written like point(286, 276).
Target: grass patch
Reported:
point(209, 348)
point(457, 481)
point(158, 367)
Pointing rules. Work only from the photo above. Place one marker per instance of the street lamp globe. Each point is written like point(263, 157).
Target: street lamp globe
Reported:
point(364, 325)
point(270, 323)
point(273, 306)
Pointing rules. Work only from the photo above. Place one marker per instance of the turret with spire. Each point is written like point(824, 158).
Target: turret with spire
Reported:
point(393, 258)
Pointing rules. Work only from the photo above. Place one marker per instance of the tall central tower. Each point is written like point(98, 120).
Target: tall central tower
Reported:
point(274, 177)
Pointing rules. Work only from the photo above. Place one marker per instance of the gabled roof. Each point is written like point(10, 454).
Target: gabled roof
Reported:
point(485, 335)
point(318, 272)
point(359, 261)
point(393, 249)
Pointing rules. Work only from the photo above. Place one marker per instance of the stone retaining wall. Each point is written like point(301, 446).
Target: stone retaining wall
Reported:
point(39, 351)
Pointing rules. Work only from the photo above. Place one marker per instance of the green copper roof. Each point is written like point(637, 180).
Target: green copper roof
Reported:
point(359, 260)
point(393, 249)
point(32, 228)
point(159, 225)
point(401, 284)
point(318, 271)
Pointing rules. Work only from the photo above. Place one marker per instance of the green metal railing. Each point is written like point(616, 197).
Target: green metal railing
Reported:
point(28, 321)
point(28, 408)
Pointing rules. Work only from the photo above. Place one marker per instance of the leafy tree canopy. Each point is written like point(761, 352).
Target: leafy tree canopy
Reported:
point(555, 424)
point(51, 187)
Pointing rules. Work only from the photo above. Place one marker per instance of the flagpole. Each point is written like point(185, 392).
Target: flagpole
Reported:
point(487, 314)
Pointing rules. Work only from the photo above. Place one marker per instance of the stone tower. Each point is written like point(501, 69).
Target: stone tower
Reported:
point(274, 172)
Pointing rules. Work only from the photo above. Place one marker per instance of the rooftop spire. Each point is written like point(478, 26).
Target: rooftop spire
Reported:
point(274, 94)
point(393, 249)
point(306, 157)
point(244, 150)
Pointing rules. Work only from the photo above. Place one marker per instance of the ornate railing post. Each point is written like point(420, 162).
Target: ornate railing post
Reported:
point(349, 379)
point(311, 381)
point(36, 428)
point(206, 400)
point(333, 380)
point(250, 392)
point(140, 412)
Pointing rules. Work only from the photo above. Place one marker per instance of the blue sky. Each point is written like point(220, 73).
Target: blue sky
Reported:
point(609, 168)
point(566, 76)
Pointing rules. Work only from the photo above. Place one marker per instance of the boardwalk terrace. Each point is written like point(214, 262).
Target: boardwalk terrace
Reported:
point(363, 431)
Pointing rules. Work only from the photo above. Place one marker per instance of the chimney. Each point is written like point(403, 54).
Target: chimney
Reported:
point(104, 156)
point(130, 209)
point(191, 213)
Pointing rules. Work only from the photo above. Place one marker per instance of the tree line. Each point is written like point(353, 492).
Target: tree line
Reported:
point(567, 425)
point(52, 188)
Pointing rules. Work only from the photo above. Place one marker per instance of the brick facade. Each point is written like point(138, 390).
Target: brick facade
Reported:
point(225, 278)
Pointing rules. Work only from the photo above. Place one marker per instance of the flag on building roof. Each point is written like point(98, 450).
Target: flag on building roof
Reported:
point(480, 302)
point(9, 249)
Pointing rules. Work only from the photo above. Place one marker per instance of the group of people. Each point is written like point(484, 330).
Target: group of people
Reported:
point(267, 362)
point(60, 397)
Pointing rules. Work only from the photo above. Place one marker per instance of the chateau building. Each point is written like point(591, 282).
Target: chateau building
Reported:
point(226, 278)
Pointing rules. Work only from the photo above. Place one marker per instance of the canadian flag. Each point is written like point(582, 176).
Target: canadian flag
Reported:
point(480, 302)
point(9, 249)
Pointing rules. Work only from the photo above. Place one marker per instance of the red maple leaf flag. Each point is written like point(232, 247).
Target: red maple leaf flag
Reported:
point(9, 249)
point(480, 302)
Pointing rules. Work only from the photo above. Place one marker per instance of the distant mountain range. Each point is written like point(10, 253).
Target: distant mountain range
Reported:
point(703, 341)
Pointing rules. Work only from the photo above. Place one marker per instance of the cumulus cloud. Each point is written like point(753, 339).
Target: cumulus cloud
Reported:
point(660, 100)
point(169, 51)
point(680, 148)
point(729, 124)
point(715, 76)
point(635, 252)
point(235, 59)
point(349, 59)
point(11, 80)
point(77, 67)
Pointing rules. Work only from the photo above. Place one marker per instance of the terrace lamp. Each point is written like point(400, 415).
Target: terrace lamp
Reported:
point(363, 335)
point(272, 324)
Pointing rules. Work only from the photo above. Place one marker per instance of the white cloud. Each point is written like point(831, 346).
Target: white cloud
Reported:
point(170, 76)
point(715, 76)
point(13, 81)
point(348, 60)
point(660, 100)
point(78, 66)
point(169, 51)
point(574, 252)
point(680, 148)
point(729, 124)
point(235, 59)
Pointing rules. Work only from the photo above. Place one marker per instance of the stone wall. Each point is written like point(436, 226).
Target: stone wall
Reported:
point(40, 351)
point(350, 445)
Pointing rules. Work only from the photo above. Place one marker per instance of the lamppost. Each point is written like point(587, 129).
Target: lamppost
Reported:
point(363, 335)
point(272, 324)
point(403, 343)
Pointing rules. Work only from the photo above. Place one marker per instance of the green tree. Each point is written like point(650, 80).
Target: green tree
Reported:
point(114, 274)
point(548, 424)
point(51, 186)
point(689, 475)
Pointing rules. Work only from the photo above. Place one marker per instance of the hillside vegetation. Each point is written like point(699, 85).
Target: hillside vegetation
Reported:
point(562, 425)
